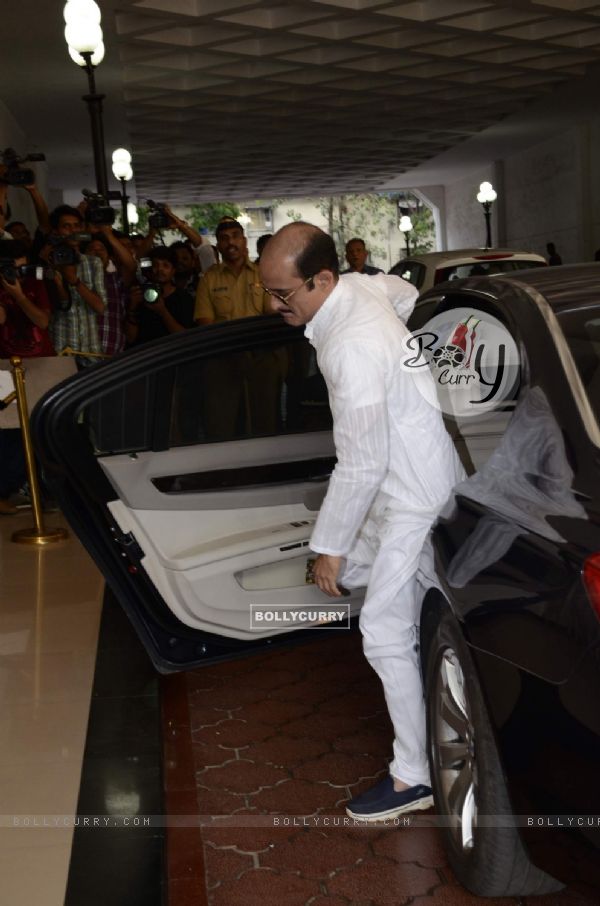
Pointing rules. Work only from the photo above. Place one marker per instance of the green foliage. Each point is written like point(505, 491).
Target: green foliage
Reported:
point(368, 217)
point(142, 224)
point(208, 215)
point(374, 218)
point(423, 230)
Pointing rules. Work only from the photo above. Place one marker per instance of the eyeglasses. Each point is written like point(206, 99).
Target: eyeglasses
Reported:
point(288, 296)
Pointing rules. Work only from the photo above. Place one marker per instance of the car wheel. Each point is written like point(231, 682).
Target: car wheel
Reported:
point(467, 776)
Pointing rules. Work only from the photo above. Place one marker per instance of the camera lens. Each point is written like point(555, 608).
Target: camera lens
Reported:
point(151, 294)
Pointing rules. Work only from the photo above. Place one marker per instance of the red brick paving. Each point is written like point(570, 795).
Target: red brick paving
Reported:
point(295, 732)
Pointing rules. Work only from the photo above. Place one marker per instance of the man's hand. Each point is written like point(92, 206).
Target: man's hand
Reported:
point(13, 289)
point(69, 273)
point(325, 573)
point(157, 307)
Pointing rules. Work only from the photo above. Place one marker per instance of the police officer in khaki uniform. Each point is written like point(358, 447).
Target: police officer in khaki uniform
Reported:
point(243, 390)
point(231, 289)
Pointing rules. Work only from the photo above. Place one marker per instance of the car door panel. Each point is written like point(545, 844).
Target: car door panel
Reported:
point(191, 530)
point(265, 471)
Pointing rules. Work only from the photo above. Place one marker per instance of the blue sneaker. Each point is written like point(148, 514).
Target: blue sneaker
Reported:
point(382, 802)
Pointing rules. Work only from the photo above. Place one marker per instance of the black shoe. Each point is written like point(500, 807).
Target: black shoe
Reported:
point(383, 802)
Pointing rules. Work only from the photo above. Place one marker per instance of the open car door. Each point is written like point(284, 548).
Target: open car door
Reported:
point(192, 469)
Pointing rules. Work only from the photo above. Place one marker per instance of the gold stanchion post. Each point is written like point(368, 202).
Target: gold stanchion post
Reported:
point(38, 535)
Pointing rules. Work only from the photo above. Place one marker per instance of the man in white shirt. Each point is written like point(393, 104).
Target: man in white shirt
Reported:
point(396, 466)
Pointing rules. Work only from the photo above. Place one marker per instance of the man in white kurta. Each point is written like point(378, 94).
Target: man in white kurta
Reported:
point(396, 466)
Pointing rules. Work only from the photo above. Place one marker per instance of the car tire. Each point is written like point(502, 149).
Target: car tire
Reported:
point(467, 776)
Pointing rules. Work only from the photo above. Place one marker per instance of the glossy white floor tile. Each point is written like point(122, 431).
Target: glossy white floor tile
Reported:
point(50, 604)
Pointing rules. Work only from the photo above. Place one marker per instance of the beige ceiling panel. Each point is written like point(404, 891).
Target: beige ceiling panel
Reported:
point(263, 46)
point(342, 29)
point(582, 39)
point(463, 46)
point(188, 61)
point(309, 76)
point(491, 20)
point(252, 69)
point(381, 62)
point(130, 23)
point(560, 60)
point(354, 5)
point(550, 28)
point(194, 36)
point(398, 38)
point(571, 6)
point(483, 74)
point(189, 82)
point(324, 55)
point(436, 69)
point(513, 54)
point(528, 81)
point(193, 8)
point(434, 10)
point(272, 17)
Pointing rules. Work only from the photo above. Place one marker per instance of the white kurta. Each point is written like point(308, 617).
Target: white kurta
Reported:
point(396, 468)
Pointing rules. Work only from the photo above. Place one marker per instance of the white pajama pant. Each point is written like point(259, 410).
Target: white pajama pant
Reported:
point(386, 559)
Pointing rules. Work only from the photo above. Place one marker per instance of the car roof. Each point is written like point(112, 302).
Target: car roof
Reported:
point(562, 287)
point(457, 255)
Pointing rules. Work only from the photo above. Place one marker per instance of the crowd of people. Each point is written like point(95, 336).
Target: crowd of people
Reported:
point(80, 287)
point(86, 289)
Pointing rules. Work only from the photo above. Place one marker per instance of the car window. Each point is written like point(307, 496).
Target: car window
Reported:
point(267, 391)
point(483, 268)
point(581, 328)
point(412, 271)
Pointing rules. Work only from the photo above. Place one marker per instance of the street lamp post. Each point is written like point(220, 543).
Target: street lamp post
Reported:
point(405, 226)
point(486, 197)
point(121, 167)
point(83, 35)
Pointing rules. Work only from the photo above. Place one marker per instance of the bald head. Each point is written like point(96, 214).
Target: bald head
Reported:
point(307, 248)
point(300, 268)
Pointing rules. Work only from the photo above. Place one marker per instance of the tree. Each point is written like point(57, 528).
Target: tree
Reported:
point(374, 218)
point(207, 216)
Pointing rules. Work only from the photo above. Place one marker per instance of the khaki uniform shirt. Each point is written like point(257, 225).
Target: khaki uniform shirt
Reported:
point(225, 296)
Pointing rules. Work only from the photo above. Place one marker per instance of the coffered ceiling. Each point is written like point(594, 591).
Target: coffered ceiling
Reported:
point(242, 99)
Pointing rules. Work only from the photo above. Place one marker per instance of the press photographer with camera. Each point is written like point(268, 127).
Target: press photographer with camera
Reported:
point(76, 288)
point(119, 273)
point(12, 173)
point(24, 306)
point(24, 317)
point(159, 308)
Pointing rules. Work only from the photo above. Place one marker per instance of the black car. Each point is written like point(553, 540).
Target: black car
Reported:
point(193, 468)
point(511, 634)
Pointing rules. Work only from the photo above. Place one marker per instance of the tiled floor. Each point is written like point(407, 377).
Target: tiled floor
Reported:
point(294, 732)
point(50, 602)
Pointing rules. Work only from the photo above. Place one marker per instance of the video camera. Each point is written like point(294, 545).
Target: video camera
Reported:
point(98, 211)
point(16, 175)
point(159, 219)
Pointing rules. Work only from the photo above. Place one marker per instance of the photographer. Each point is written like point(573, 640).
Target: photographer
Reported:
point(21, 177)
point(119, 273)
point(77, 288)
point(24, 307)
point(24, 318)
point(170, 312)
